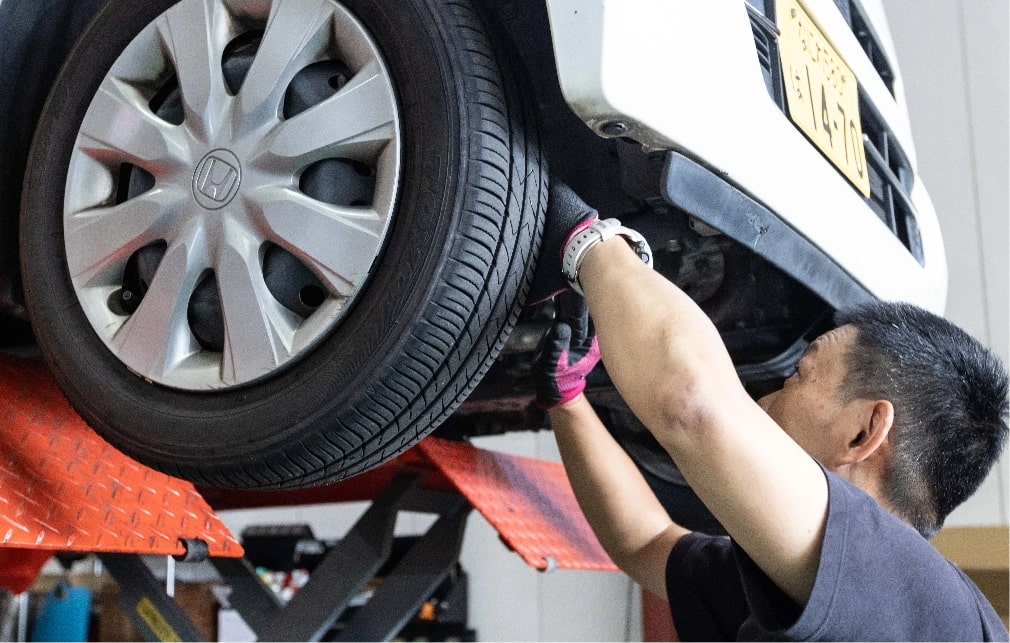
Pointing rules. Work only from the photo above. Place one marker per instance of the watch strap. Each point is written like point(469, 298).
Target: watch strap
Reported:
point(599, 231)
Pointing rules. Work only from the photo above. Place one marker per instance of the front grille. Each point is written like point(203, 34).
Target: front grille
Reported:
point(891, 179)
point(891, 176)
point(766, 42)
point(854, 14)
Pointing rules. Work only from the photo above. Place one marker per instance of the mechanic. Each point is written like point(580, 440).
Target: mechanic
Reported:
point(828, 488)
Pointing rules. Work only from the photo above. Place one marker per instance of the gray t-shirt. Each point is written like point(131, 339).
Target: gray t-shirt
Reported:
point(878, 580)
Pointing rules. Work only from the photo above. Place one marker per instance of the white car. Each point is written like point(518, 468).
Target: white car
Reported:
point(273, 243)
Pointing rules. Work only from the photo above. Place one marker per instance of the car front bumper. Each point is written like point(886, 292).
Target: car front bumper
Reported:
point(684, 76)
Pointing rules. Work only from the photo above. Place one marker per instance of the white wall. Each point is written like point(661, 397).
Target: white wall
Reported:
point(954, 58)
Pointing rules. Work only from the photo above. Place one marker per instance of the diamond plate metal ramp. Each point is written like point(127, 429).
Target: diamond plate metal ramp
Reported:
point(63, 488)
point(528, 501)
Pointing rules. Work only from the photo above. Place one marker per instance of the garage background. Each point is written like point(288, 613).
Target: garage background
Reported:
point(954, 58)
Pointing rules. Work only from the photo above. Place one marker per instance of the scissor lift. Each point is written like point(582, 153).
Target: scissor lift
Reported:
point(64, 489)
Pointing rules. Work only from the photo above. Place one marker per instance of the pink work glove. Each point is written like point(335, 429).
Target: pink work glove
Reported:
point(568, 353)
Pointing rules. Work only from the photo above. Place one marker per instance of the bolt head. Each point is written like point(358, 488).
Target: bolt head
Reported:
point(614, 128)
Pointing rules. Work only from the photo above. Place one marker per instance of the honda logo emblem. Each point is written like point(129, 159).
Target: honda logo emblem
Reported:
point(216, 179)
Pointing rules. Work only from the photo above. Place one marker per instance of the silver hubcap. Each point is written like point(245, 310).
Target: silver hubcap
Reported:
point(195, 202)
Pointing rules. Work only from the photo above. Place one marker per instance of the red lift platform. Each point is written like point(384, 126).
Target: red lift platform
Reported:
point(64, 489)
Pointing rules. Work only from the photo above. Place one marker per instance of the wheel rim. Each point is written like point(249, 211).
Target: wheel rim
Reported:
point(221, 217)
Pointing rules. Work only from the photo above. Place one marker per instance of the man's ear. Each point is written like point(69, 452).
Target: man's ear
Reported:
point(876, 421)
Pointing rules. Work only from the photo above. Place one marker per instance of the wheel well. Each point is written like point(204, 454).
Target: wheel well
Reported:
point(37, 37)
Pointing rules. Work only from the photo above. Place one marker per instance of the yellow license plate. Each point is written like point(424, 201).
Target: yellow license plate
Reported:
point(821, 92)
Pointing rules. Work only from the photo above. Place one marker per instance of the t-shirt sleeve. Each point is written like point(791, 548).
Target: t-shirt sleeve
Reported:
point(878, 579)
point(704, 590)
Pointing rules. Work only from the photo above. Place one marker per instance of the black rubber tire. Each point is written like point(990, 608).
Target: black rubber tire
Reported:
point(36, 38)
point(428, 325)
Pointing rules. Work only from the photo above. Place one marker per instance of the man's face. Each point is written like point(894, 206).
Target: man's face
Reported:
point(809, 407)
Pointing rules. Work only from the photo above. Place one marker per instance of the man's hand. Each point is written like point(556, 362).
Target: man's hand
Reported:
point(567, 215)
point(568, 353)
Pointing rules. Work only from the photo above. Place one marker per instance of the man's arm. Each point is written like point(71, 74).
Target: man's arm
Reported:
point(627, 518)
point(669, 364)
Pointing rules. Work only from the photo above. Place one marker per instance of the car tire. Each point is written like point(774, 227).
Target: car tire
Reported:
point(439, 292)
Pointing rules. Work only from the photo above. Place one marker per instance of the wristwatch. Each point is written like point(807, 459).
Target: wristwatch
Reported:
point(597, 232)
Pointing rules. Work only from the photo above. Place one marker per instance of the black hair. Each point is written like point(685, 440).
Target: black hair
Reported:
point(950, 405)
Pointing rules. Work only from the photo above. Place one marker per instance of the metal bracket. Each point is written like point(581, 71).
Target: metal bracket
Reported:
point(415, 577)
point(342, 574)
point(143, 597)
point(197, 551)
point(253, 600)
point(354, 561)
